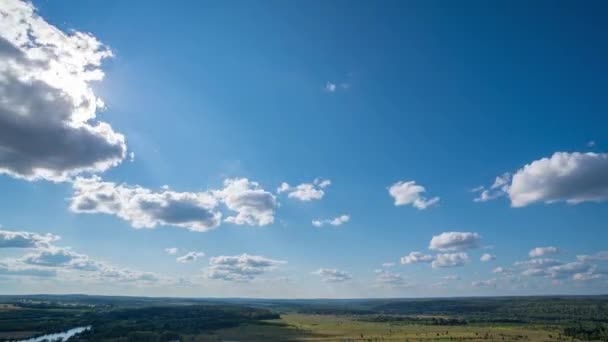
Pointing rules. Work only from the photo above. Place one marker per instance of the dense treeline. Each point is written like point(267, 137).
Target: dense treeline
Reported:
point(137, 324)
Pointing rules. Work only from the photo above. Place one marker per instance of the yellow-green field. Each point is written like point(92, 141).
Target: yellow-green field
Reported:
point(298, 327)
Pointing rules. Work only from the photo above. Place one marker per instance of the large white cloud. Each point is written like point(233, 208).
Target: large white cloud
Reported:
point(240, 268)
point(18, 239)
point(145, 208)
point(305, 191)
point(410, 193)
point(571, 177)
point(455, 241)
point(253, 205)
point(416, 257)
point(332, 275)
point(450, 260)
point(48, 128)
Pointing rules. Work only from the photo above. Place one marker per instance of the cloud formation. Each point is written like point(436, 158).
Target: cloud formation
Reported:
point(455, 241)
point(486, 257)
point(571, 177)
point(190, 257)
point(171, 250)
point(336, 221)
point(448, 260)
point(253, 205)
point(410, 193)
point(240, 268)
point(306, 191)
point(390, 278)
point(542, 251)
point(332, 275)
point(17, 239)
point(416, 257)
point(48, 126)
point(145, 208)
point(47, 260)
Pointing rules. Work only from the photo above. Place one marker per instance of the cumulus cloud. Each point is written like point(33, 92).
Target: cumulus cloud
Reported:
point(416, 257)
point(390, 278)
point(542, 251)
point(171, 250)
point(240, 268)
point(145, 208)
point(336, 221)
point(48, 260)
point(190, 256)
point(410, 193)
point(502, 270)
point(306, 191)
point(17, 239)
point(570, 177)
point(253, 205)
point(15, 268)
point(48, 126)
point(332, 275)
point(447, 260)
point(487, 257)
point(455, 241)
point(61, 257)
point(498, 189)
point(599, 256)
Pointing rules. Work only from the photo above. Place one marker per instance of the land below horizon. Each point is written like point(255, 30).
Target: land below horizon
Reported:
point(126, 318)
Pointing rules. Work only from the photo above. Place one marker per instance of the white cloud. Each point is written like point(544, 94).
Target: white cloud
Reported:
point(53, 256)
point(599, 256)
point(410, 193)
point(498, 189)
point(254, 206)
point(455, 241)
point(542, 251)
point(190, 256)
point(388, 264)
point(570, 177)
point(145, 208)
point(451, 277)
point(487, 257)
point(331, 87)
point(171, 250)
point(15, 268)
point(390, 278)
point(502, 270)
point(306, 191)
point(484, 283)
point(196, 211)
point(16, 239)
point(48, 260)
point(48, 128)
point(416, 257)
point(332, 275)
point(450, 260)
point(336, 221)
point(240, 268)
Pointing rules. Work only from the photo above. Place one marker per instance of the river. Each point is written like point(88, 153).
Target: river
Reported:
point(57, 337)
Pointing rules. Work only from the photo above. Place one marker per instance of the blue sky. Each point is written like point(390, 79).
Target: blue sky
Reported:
point(213, 96)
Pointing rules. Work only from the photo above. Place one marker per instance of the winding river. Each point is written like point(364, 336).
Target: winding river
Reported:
point(57, 337)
